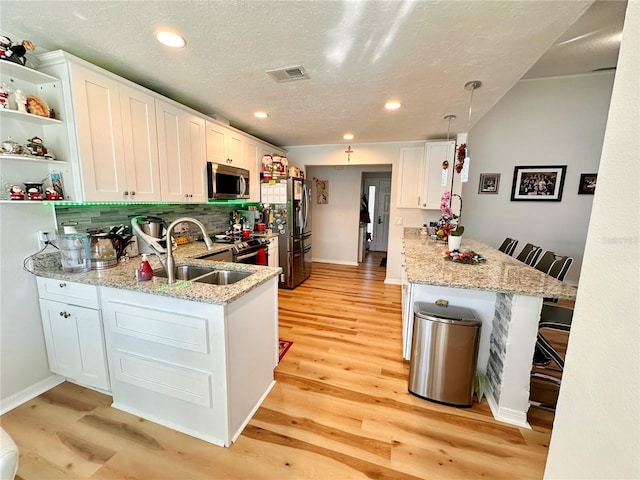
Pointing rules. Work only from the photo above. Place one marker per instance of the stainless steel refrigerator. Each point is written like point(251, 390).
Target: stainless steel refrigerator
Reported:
point(292, 220)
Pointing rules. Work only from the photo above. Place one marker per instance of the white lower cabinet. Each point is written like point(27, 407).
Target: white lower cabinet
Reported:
point(274, 253)
point(73, 332)
point(199, 368)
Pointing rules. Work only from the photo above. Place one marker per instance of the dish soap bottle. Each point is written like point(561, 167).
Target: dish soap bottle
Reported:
point(145, 271)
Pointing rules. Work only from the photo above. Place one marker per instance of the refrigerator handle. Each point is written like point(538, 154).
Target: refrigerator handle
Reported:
point(306, 205)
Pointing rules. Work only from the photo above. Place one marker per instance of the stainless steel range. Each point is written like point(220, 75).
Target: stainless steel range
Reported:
point(253, 251)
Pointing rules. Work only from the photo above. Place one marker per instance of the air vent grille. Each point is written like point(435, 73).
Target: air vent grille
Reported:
point(288, 74)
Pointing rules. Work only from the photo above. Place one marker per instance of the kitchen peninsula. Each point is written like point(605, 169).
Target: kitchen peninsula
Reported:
point(506, 294)
point(192, 356)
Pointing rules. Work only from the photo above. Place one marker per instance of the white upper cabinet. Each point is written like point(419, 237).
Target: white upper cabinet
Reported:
point(421, 174)
point(133, 144)
point(252, 159)
point(181, 148)
point(436, 153)
point(225, 145)
point(112, 131)
point(411, 173)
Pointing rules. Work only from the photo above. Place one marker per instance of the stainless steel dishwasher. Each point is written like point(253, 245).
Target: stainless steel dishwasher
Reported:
point(444, 353)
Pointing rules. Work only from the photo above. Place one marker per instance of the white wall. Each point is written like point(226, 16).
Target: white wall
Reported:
point(551, 121)
point(596, 433)
point(23, 357)
point(366, 158)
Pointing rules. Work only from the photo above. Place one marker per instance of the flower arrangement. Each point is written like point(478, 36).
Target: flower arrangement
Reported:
point(469, 257)
point(449, 223)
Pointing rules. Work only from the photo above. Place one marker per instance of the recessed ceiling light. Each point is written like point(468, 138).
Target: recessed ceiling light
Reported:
point(261, 114)
point(392, 105)
point(171, 39)
point(348, 136)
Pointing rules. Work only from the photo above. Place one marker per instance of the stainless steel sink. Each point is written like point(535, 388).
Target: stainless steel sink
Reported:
point(202, 274)
point(223, 277)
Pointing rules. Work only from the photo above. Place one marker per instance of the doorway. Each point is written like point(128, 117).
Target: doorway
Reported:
point(376, 188)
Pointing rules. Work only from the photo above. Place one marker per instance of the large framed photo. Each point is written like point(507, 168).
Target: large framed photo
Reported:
point(489, 183)
point(587, 183)
point(544, 183)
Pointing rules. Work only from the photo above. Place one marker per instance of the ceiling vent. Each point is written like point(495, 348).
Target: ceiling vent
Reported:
point(288, 74)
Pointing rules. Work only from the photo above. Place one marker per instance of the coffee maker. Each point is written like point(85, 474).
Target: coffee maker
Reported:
point(151, 233)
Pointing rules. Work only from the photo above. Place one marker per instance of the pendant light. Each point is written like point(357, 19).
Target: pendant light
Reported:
point(463, 159)
point(445, 162)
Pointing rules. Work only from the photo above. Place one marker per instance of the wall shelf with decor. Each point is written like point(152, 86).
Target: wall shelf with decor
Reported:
point(45, 132)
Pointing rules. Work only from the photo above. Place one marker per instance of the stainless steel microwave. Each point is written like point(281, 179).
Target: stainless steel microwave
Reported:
point(226, 182)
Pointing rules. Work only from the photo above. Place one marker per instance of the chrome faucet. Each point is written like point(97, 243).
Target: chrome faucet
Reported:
point(169, 264)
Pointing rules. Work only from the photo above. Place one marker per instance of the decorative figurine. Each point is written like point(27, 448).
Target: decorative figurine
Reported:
point(15, 52)
point(16, 192)
point(4, 96)
point(21, 101)
point(51, 194)
point(36, 147)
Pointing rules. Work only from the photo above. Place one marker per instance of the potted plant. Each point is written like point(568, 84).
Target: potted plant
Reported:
point(450, 221)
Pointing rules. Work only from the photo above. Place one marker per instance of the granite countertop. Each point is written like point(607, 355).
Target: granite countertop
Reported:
point(425, 263)
point(123, 275)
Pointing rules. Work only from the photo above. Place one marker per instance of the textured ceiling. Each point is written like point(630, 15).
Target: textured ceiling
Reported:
point(358, 55)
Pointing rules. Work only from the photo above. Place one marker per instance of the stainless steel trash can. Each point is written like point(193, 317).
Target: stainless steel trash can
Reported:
point(444, 353)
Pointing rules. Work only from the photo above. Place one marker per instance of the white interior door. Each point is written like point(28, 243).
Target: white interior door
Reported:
point(378, 192)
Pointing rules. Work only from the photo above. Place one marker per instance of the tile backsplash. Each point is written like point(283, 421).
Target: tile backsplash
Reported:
point(214, 217)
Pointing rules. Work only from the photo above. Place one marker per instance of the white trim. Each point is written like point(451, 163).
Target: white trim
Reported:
point(23, 396)
point(337, 262)
point(506, 415)
point(393, 281)
point(172, 425)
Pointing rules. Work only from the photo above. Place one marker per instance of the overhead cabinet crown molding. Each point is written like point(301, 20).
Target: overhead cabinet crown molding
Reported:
point(132, 144)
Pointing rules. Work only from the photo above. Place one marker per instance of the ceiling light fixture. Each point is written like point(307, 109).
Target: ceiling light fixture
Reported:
point(348, 136)
point(170, 39)
point(261, 114)
point(392, 105)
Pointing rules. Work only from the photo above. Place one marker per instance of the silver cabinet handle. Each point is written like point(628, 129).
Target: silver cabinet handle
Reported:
point(125, 193)
point(132, 193)
point(65, 314)
point(62, 285)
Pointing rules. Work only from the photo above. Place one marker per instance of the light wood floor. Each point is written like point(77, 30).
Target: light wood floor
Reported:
point(340, 410)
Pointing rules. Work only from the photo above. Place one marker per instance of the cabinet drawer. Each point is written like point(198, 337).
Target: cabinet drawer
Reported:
point(168, 379)
point(175, 329)
point(68, 292)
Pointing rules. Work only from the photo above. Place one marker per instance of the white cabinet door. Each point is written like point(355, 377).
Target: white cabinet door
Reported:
point(99, 133)
point(181, 152)
point(225, 145)
point(436, 154)
point(140, 144)
point(274, 259)
point(253, 163)
point(117, 138)
point(75, 343)
point(411, 173)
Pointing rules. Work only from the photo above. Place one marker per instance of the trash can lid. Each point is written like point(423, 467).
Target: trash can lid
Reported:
point(446, 312)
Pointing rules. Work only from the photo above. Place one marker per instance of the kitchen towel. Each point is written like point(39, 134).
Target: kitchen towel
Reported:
point(261, 257)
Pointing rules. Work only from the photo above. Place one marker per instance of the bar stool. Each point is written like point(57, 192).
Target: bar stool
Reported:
point(529, 254)
point(508, 246)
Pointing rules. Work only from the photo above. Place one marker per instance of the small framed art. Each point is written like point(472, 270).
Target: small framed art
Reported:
point(587, 183)
point(544, 183)
point(489, 183)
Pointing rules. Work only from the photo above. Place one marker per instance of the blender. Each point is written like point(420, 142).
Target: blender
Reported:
point(74, 252)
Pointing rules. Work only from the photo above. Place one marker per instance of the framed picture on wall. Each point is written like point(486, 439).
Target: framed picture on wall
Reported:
point(539, 184)
point(587, 183)
point(489, 183)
